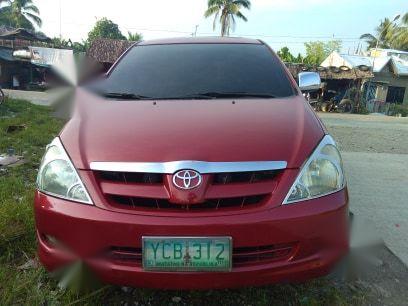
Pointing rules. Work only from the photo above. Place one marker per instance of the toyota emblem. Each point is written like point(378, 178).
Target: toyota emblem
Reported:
point(187, 179)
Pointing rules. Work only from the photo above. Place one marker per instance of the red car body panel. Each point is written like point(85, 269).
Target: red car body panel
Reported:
point(249, 130)
point(316, 230)
point(305, 239)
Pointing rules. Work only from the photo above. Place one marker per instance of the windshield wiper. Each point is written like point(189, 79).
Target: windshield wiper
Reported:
point(188, 97)
point(215, 95)
point(206, 95)
point(125, 96)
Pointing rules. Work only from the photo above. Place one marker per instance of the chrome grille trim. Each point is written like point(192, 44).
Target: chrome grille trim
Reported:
point(200, 166)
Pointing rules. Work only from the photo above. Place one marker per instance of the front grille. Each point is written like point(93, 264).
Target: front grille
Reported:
point(218, 178)
point(244, 177)
point(241, 257)
point(151, 191)
point(131, 177)
point(149, 203)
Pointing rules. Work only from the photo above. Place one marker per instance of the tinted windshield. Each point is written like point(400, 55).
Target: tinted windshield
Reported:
point(189, 70)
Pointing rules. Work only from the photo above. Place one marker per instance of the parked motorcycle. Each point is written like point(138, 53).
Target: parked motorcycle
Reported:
point(342, 106)
point(340, 102)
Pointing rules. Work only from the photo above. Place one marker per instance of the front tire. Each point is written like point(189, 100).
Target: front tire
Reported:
point(346, 106)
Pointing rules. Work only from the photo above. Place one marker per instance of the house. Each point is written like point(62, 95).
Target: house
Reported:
point(17, 38)
point(107, 51)
point(19, 72)
point(390, 68)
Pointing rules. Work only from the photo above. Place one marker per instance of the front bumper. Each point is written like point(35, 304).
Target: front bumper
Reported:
point(318, 230)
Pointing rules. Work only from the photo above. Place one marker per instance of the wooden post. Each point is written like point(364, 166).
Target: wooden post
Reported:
point(358, 96)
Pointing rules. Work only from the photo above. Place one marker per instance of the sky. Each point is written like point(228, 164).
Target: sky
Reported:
point(278, 22)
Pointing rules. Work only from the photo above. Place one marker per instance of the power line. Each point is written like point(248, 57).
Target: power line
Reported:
point(331, 37)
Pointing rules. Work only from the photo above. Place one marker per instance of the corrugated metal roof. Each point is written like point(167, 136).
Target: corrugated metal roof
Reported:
point(400, 66)
point(357, 60)
point(379, 63)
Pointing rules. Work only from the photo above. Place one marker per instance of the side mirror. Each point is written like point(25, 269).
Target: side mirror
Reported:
point(309, 81)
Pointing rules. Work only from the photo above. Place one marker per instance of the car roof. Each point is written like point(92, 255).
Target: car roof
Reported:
point(200, 40)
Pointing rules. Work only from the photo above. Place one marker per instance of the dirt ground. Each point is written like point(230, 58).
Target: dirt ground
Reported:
point(368, 133)
point(375, 155)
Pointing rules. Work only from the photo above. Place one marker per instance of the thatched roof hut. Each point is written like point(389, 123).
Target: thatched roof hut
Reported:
point(107, 51)
point(331, 73)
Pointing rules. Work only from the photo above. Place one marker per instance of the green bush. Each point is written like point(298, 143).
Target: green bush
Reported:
point(399, 109)
point(362, 110)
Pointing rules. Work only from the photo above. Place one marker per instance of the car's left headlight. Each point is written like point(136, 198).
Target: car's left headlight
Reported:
point(322, 174)
point(58, 177)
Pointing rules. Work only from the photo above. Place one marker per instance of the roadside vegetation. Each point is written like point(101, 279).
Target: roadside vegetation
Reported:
point(389, 34)
point(24, 282)
point(20, 14)
point(225, 12)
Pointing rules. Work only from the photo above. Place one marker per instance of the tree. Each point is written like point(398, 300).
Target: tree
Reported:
point(20, 14)
point(4, 13)
point(79, 46)
point(285, 55)
point(226, 11)
point(134, 36)
point(61, 43)
point(400, 35)
point(299, 58)
point(68, 44)
point(288, 57)
point(389, 35)
point(317, 51)
point(333, 45)
point(383, 34)
point(105, 28)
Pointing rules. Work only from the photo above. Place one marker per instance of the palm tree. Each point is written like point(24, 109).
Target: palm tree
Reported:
point(389, 34)
point(227, 11)
point(400, 37)
point(21, 14)
point(383, 36)
point(4, 12)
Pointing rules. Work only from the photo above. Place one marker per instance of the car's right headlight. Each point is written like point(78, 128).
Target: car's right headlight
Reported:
point(57, 175)
point(322, 174)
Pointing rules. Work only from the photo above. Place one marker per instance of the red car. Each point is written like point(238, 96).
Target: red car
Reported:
point(194, 164)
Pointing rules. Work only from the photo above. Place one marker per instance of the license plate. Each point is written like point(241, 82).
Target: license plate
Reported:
point(187, 253)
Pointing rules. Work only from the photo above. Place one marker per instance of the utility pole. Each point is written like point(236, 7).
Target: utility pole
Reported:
point(195, 31)
point(60, 19)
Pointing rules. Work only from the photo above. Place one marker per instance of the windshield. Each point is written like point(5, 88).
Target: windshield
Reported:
point(194, 71)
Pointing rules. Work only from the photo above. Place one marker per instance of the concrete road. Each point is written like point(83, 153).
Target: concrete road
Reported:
point(375, 154)
point(46, 98)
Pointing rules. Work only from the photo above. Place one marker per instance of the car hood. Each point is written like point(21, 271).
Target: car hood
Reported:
point(100, 129)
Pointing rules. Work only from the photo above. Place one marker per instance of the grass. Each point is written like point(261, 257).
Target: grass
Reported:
point(34, 286)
